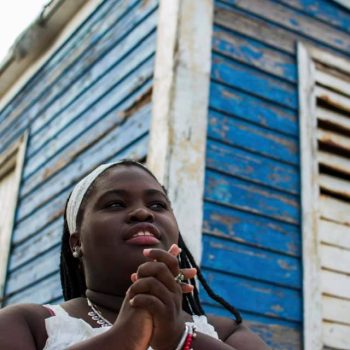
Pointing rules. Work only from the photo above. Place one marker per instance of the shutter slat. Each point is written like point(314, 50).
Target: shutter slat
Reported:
point(335, 83)
point(333, 139)
point(337, 119)
point(335, 162)
point(335, 185)
point(336, 335)
point(335, 210)
point(334, 234)
point(335, 259)
point(335, 284)
point(336, 310)
point(332, 98)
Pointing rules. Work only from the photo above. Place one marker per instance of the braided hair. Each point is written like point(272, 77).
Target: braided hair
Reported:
point(73, 279)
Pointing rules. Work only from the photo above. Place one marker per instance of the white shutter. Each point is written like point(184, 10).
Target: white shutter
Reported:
point(325, 138)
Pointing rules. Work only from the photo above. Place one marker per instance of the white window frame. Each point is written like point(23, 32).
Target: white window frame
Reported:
point(9, 159)
point(313, 337)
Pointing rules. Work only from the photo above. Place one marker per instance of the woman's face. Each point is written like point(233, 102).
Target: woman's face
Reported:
point(126, 212)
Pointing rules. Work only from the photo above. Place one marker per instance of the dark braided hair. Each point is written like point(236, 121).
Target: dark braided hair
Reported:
point(72, 273)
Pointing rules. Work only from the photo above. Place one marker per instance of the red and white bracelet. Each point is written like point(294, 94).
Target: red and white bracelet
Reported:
point(187, 337)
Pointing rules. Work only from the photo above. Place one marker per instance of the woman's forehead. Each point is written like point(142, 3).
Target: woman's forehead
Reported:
point(124, 177)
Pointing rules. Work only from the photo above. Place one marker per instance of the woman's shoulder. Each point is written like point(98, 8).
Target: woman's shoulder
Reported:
point(238, 335)
point(23, 322)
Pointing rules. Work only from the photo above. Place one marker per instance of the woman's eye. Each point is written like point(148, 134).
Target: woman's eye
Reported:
point(158, 206)
point(115, 205)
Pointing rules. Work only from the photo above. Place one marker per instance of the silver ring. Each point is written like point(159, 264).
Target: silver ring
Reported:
point(180, 277)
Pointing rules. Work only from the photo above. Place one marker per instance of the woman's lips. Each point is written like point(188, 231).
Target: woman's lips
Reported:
point(143, 238)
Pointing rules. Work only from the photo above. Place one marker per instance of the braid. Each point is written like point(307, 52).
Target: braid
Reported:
point(72, 275)
point(190, 262)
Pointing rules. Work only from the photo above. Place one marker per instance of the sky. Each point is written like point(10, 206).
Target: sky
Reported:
point(15, 16)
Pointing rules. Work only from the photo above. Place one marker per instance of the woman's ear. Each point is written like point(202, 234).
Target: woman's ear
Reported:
point(75, 244)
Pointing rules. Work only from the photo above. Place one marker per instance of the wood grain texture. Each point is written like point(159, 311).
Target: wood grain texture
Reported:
point(254, 263)
point(253, 138)
point(251, 108)
point(252, 198)
point(253, 167)
point(254, 296)
point(251, 229)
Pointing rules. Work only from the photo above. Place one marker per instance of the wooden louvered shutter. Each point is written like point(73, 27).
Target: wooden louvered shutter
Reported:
point(325, 172)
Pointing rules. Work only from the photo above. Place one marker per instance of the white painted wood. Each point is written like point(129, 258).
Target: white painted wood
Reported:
point(335, 185)
point(335, 234)
point(334, 161)
point(11, 163)
point(330, 81)
point(335, 258)
point(329, 59)
point(333, 98)
point(335, 284)
point(337, 119)
point(309, 200)
point(331, 138)
point(180, 107)
point(335, 210)
point(336, 310)
point(336, 335)
point(15, 73)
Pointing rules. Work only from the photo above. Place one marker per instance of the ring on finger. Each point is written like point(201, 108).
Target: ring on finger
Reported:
point(180, 277)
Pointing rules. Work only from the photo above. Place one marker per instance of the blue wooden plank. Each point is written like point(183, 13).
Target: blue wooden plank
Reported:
point(67, 48)
point(278, 334)
point(38, 269)
point(255, 53)
point(88, 110)
point(252, 198)
point(296, 22)
point(251, 229)
point(73, 147)
point(55, 82)
point(253, 109)
point(45, 240)
point(248, 79)
point(40, 293)
point(253, 138)
point(70, 56)
point(247, 261)
point(325, 10)
point(254, 296)
point(253, 167)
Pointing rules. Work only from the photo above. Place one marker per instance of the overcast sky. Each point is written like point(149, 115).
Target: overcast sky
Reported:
point(15, 16)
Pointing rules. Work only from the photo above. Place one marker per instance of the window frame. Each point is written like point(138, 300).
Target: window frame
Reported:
point(12, 157)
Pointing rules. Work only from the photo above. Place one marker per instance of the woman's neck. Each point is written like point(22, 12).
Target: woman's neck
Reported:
point(109, 302)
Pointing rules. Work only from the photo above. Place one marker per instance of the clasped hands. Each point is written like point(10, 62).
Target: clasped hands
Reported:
point(156, 291)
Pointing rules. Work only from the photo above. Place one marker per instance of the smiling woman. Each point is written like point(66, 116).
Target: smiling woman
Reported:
point(127, 277)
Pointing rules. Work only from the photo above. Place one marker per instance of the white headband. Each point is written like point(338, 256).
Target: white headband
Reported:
point(79, 191)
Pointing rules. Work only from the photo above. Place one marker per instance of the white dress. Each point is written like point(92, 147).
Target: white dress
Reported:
point(64, 330)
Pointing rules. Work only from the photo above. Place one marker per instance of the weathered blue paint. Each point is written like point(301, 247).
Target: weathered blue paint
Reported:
point(89, 103)
point(251, 229)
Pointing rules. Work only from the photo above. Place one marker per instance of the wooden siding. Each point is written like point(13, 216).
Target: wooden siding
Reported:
point(252, 234)
point(90, 103)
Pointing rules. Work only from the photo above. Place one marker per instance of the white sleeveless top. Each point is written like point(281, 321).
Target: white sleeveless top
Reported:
point(64, 330)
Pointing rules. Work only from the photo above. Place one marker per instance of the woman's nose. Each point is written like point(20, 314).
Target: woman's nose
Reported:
point(140, 215)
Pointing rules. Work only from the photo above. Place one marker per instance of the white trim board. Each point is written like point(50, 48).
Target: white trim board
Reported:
point(180, 110)
point(12, 158)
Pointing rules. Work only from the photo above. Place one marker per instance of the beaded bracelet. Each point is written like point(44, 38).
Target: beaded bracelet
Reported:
point(189, 339)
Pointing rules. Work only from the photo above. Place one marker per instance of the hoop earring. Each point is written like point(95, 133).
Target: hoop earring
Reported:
point(77, 252)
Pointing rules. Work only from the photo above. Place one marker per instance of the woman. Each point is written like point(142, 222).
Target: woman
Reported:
point(127, 284)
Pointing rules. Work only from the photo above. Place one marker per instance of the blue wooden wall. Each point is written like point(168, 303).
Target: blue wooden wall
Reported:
point(251, 233)
point(89, 103)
